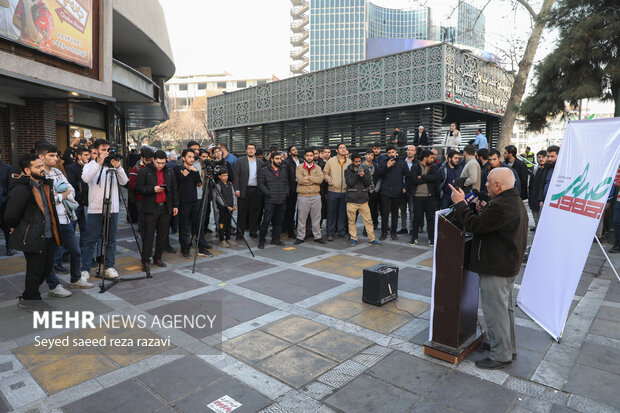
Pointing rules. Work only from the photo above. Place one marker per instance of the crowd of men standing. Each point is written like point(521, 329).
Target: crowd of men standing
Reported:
point(304, 192)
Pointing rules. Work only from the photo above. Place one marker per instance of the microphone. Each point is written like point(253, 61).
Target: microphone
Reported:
point(468, 198)
point(481, 196)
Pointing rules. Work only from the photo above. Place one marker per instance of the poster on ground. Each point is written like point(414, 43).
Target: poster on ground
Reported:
point(581, 182)
point(62, 28)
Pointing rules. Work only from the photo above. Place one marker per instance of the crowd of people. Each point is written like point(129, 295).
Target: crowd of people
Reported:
point(306, 193)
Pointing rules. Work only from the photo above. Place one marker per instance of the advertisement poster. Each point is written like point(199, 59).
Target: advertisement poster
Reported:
point(61, 28)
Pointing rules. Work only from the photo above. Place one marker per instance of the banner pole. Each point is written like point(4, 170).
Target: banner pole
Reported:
point(607, 257)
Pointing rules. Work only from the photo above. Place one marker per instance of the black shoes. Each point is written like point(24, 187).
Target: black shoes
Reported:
point(253, 235)
point(402, 231)
point(297, 241)
point(394, 237)
point(383, 237)
point(487, 347)
point(261, 245)
point(203, 252)
point(170, 249)
point(615, 249)
point(185, 254)
point(320, 241)
point(10, 252)
point(489, 364)
point(34, 305)
point(330, 237)
point(276, 242)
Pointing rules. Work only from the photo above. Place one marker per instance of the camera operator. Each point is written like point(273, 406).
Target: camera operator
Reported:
point(95, 175)
point(160, 201)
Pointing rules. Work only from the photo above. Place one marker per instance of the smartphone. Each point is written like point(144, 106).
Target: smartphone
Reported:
point(162, 186)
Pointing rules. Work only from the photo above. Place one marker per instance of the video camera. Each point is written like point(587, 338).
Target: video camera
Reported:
point(114, 153)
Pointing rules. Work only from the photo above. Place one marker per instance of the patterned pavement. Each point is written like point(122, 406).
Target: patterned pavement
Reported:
point(294, 336)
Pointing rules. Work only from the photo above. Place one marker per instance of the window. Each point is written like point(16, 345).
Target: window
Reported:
point(221, 85)
point(202, 86)
point(241, 84)
point(183, 87)
point(261, 82)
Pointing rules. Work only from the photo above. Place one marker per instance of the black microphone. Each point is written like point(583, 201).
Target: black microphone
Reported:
point(468, 199)
point(481, 196)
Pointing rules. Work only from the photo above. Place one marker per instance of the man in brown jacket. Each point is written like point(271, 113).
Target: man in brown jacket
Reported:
point(336, 190)
point(309, 178)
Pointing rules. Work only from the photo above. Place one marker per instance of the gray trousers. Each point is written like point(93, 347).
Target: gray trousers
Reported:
point(308, 205)
point(499, 315)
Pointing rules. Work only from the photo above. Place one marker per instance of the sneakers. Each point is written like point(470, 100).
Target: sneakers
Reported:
point(297, 241)
point(353, 243)
point(203, 252)
point(34, 305)
point(60, 292)
point(414, 241)
point(224, 244)
point(82, 282)
point(85, 274)
point(111, 273)
point(430, 244)
point(374, 242)
point(232, 243)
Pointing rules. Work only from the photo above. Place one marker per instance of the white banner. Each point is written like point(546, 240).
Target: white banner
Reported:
point(573, 207)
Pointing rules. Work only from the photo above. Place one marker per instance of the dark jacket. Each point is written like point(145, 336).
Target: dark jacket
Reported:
point(274, 188)
point(523, 173)
point(500, 234)
point(146, 183)
point(430, 179)
point(547, 175)
point(242, 174)
point(357, 186)
point(400, 137)
point(74, 176)
point(6, 171)
point(537, 184)
point(442, 178)
point(421, 140)
point(291, 167)
point(25, 213)
point(186, 185)
point(392, 179)
point(486, 170)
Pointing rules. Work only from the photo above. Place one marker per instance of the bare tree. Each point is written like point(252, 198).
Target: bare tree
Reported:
point(525, 65)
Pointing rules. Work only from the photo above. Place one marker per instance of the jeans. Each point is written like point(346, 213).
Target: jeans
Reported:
point(38, 267)
point(336, 213)
point(70, 243)
point(389, 206)
point(80, 212)
point(94, 235)
point(424, 206)
point(272, 214)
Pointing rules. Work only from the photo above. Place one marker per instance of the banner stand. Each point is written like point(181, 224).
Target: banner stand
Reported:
point(607, 258)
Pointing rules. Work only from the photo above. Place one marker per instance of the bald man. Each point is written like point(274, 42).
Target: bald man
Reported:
point(498, 246)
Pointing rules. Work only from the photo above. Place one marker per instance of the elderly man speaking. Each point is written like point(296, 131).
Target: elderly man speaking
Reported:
point(498, 246)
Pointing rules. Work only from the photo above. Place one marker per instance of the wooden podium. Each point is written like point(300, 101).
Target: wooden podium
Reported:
point(455, 310)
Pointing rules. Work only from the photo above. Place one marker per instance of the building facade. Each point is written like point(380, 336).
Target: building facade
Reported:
point(99, 71)
point(360, 103)
point(331, 33)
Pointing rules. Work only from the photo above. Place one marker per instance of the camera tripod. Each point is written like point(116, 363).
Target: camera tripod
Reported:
point(110, 175)
point(203, 203)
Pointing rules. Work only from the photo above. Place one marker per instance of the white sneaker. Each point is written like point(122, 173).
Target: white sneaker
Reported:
point(231, 243)
point(85, 274)
point(111, 273)
point(81, 283)
point(59, 291)
point(224, 244)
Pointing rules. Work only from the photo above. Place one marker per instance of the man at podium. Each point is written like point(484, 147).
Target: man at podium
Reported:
point(499, 237)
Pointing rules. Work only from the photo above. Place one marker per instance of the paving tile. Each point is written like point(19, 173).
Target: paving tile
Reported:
point(340, 308)
point(180, 377)
point(427, 263)
point(8, 291)
point(367, 394)
point(292, 253)
point(408, 277)
point(409, 372)
point(4, 405)
point(253, 346)
point(406, 307)
point(526, 363)
point(561, 409)
point(228, 267)
point(126, 397)
point(609, 313)
point(343, 265)
point(606, 328)
point(236, 306)
point(531, 339)
point(378, 320)
point(68, 372)
point(456, 391)
point(250, 400)
point(190, 308)
point(13, 265)
point(594, 384)
point(428, 406)
point(354, 295)
point(398, 253)
point(296, 366)
point(294, 329)
point(421, 338)
point(551, 374)
point(600, 357)
point(335, 344)
point(290, 285)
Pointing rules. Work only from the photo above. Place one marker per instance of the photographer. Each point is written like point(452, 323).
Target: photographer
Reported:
point(358, 180)
point(96, 176)
point(392, 172)
point(160, 201)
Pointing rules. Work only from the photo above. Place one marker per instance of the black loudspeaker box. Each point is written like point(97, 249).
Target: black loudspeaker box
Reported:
point(380, 284)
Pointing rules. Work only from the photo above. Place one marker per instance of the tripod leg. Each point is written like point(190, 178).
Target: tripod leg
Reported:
point(242, 236)
point(200, 222)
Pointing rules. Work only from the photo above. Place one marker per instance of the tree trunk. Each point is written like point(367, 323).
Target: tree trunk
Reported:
point(525, 65)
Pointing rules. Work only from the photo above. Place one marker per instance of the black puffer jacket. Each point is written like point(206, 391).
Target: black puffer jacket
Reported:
point(392, 183)
point(274, 188)
point(500, 234)
point(26, 215)
point(357, 186)
point(146, 183)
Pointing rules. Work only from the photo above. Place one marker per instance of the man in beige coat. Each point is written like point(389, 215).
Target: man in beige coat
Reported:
point(309, 178)
point(336, 190)
point(471, 171)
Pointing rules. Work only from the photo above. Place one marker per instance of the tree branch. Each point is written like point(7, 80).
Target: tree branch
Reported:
point(529, 8)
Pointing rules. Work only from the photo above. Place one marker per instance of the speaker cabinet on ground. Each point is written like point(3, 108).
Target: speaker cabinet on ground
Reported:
point(380, 284)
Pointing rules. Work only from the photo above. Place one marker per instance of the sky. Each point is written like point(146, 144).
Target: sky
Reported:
point(250, 38)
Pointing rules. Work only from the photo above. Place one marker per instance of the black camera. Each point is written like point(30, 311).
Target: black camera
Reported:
point(114, 153)
point(209, 167)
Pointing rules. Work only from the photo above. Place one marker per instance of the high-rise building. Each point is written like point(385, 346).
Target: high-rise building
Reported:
point(330, 33)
